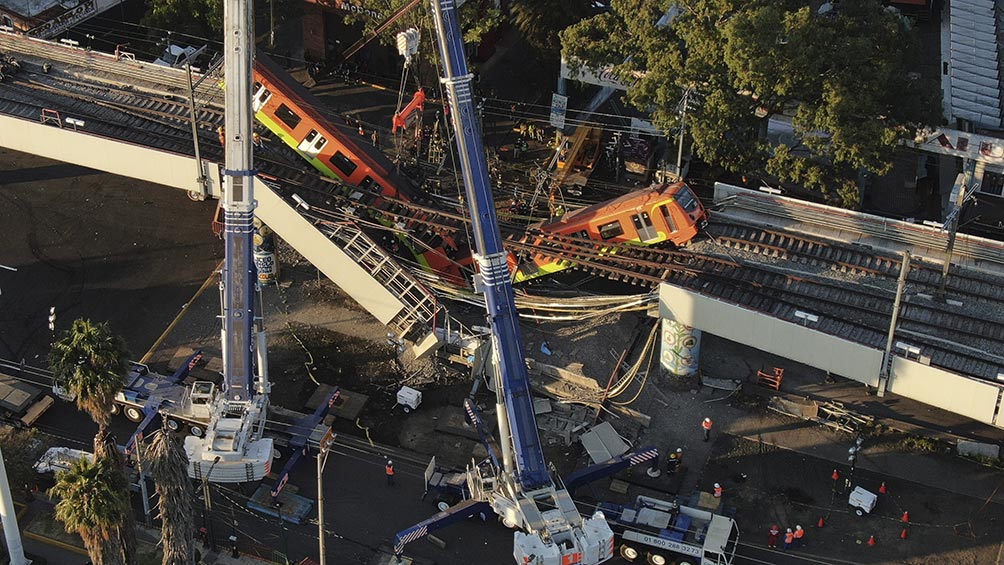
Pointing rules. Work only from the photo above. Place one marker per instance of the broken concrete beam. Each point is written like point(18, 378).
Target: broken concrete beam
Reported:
point(571, 377)
point(641, 418)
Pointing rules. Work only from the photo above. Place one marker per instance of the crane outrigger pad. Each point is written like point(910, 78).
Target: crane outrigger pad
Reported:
point(293, 507)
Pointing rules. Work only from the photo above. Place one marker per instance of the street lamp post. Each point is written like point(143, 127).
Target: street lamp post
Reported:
point(322, 458)
point(207, 521)
point(852, 457)
point(282, 525)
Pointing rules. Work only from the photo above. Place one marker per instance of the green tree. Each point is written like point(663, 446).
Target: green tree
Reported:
point(843, 77)
point(90, 363)
point(167, 463)
point(477, 18)
point(540, 20)
point(94, 503)
point(200, 18)
point(21, 449)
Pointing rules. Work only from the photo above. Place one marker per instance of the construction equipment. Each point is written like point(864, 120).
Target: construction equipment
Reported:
point(520, 488)
point(21, 403)
point(669, 527)
point(862, 501)
point(233, 448)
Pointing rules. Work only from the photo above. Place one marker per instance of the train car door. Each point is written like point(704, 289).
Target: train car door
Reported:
point(260, 97)
point(312, 144)
point(643, 225)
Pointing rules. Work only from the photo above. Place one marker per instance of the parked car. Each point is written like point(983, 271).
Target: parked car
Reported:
point(177, 55)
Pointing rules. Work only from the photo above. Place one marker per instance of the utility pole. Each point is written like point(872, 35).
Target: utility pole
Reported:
point(10, 530)
point(953, 221)
point(142, 480)
point(887, 357)
point(201, 179)
point(683, 124)
point(271, 24)
point(322, 458)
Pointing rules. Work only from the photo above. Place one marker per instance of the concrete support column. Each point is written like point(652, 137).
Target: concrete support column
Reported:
point(680, 348)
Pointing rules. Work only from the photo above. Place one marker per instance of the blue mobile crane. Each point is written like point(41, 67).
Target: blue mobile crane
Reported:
point(234, 449)
point(520, 488)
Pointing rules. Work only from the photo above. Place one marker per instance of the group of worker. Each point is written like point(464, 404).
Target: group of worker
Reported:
point(792, 538)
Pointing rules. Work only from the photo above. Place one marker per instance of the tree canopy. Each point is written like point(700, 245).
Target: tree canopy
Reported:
point(476, 19)
point(843, 78)
point(540, 20)
point(200, 18)
point(94, 502)
point(90, 362)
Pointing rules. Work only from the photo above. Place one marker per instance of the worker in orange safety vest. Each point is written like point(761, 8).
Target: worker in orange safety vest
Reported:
point(706, 425)
point(789, 538)
point(718, 490)
point(389, 470)
point(799, 532)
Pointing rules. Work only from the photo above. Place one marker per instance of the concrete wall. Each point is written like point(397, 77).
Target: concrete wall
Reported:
point(972, 398)
point(960, 394)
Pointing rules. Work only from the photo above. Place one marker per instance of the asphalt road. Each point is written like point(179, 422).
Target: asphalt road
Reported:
point(112, 249)
point(97, 246)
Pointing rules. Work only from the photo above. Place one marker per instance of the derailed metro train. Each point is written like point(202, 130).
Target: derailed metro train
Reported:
point(338, 151)
point(662, 213)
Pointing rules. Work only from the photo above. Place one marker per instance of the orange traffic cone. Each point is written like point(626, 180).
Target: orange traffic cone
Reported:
point(821, 522)
point(906, 517)
point(882, 489)
point(871, 541)
point(902, 535)
point(836, 475)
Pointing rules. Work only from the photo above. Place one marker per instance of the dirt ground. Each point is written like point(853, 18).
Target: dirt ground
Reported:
point(787, 488)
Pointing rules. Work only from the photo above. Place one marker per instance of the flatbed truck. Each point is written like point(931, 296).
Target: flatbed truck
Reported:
point(665, 530)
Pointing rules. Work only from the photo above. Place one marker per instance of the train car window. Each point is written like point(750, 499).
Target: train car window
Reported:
point(312, 144)
point(668, 216)
point(686, 199)
point(643, 225)
point(368, 184)
point(288, 117)
point(260, 97)
point(611, 230)
point(343, 163)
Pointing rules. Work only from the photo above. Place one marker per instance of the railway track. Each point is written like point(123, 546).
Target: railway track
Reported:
point(852, 288)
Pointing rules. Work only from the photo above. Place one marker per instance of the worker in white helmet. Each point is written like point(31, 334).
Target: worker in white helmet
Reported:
point(389, 471)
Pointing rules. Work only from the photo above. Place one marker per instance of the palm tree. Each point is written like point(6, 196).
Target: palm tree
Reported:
point(90, 362)
point(94, 503)
point(168, 465)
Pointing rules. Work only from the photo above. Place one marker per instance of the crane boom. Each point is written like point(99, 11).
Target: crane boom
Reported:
point(520, 489)
point(530, 470)
point(233, 449)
